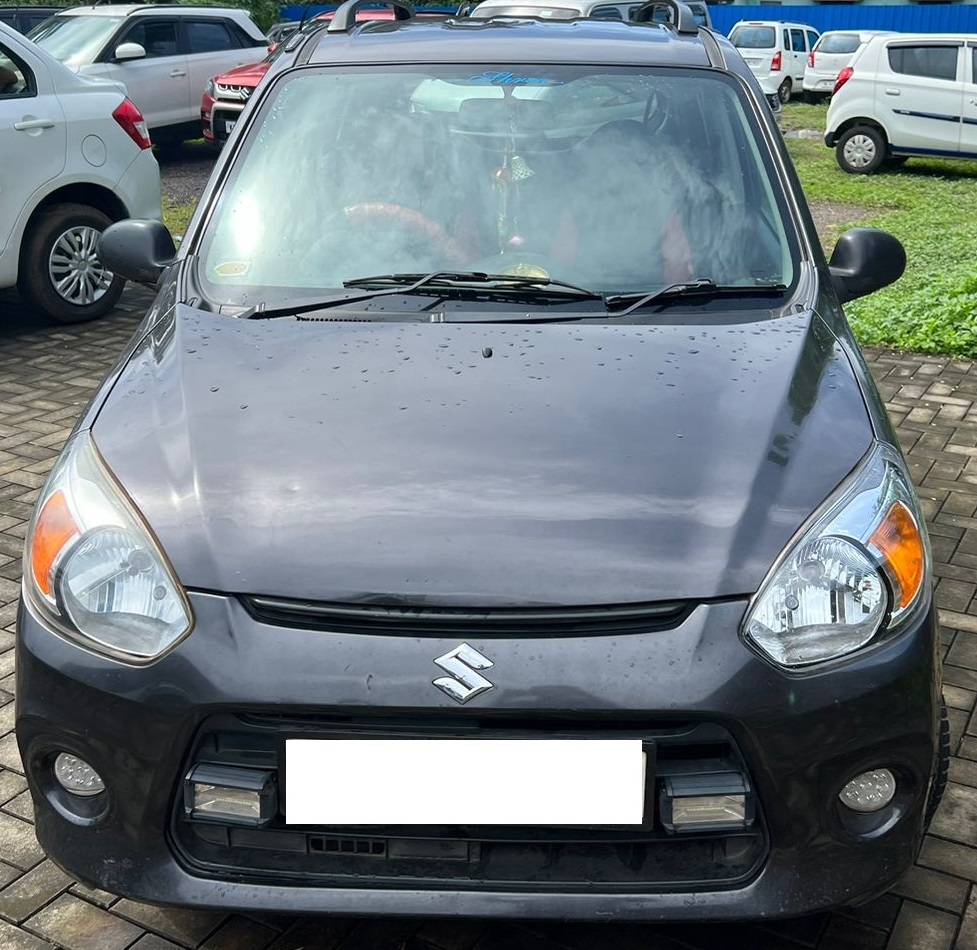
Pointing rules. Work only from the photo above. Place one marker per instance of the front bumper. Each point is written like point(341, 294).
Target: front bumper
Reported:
point(800, 737)
point(223, 116)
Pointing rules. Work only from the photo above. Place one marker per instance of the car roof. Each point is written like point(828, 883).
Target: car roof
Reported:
point(506, 40)
point(156, 9)
point(582, 5)
point(935, 37)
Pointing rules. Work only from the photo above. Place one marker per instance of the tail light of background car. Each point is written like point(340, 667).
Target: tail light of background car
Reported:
point(810, 59)
point(133, 123)
point(777, 62)
point(843, 77)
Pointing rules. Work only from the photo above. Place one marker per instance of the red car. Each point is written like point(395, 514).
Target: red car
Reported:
point(226, 95)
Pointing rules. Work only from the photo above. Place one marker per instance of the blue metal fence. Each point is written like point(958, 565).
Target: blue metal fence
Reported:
point(912, 18)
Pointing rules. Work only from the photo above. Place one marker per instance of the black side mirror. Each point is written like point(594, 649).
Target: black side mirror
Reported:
point(137, 250)
point(865, 260)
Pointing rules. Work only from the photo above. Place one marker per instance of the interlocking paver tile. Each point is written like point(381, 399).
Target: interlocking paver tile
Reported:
point(32, 891)
point(78, 925)
point(323, 934)
point(935, 888)
point(17, 842)
point(922, 928)
point(188, 927)
point(14, 938)
point(956, 817)
point(240, 934)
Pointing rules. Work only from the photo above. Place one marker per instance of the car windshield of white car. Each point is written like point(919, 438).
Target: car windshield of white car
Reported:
point(617, 180)
point(75, 40)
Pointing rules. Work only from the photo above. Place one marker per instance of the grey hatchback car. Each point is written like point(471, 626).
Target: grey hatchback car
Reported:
point(493, 514)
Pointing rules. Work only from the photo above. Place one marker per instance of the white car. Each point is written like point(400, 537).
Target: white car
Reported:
point(76, 156)
point(165, 55)
point(830, 55)
point(905, 94)
point(568, 9)
point(776, 53)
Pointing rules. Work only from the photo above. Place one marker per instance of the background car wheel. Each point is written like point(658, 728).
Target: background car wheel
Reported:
point(861, 150)
point(942, 766)
point(783, 92)
point(60, 273)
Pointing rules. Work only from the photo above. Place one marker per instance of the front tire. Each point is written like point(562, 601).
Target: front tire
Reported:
point(861, 150)
point(60, 273)
point(783, 91)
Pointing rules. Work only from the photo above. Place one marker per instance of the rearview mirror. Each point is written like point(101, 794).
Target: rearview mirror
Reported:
point(865, 260)
point(125, 51)
point(137, 250)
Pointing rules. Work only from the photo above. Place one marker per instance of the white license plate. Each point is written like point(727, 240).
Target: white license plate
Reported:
point(750, 61)
point(229, 126)
point(464, 781)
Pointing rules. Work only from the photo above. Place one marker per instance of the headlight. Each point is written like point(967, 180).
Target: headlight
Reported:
point(857, 571)
point(211, 89)
point(92, 567)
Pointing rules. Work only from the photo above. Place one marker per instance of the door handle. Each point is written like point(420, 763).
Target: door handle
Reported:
point(893, 92)
point(26, 125)
point(177, 73)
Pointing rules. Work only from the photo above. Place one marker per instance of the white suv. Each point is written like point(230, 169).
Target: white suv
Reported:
point(905, 94)
point(776, 53)
point(165, 55)
point(76, 156)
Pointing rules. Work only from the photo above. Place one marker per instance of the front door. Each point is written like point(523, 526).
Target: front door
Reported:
point(919, 94)
point(159, 83)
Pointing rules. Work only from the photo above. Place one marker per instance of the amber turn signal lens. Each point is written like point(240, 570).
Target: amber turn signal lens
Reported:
point(53, 529)
point(898, 540)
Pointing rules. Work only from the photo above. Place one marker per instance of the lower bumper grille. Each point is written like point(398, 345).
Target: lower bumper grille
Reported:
point(454, 857)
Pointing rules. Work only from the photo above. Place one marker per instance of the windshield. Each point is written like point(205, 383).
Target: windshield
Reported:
point(616, 181)
point(838, 43)
point(74, 40)
point(754, 37)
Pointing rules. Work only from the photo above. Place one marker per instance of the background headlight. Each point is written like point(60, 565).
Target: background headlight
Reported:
point(858, 570)
point(93, 568)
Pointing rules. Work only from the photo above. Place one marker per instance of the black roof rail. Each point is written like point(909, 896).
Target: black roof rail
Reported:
point(683, 19)
point(345, 15)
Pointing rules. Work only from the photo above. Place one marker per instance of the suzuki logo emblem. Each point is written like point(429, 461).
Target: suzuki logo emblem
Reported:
point(464, 682)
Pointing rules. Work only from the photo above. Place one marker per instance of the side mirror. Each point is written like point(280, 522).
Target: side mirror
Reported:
point(137, 250)
point(865, 260)
point(126, 51)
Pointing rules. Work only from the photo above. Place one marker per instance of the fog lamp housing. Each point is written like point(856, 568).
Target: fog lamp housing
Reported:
point(714, 801)
point(230, 795)
point(869, 791)
point(76, 776)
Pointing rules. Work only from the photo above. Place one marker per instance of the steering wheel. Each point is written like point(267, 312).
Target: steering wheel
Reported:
point(423, 227)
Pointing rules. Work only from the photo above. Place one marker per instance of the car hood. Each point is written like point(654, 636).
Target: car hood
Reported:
point(248, 75)
point(477, 464)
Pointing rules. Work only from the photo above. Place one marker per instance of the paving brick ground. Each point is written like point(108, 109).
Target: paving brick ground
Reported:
point(46, 376)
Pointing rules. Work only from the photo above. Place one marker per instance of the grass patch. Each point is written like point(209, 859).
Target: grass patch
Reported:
point(176, 215)
point(933, 308)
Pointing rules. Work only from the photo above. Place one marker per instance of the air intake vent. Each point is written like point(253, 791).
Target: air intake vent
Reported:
point(371, 847)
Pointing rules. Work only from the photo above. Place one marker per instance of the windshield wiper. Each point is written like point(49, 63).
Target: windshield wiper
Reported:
point(399, 284)
point(460, 278)
point(700, 286)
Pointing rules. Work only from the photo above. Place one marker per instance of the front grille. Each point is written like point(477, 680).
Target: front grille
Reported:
point(468, 857)
point(441, 621)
